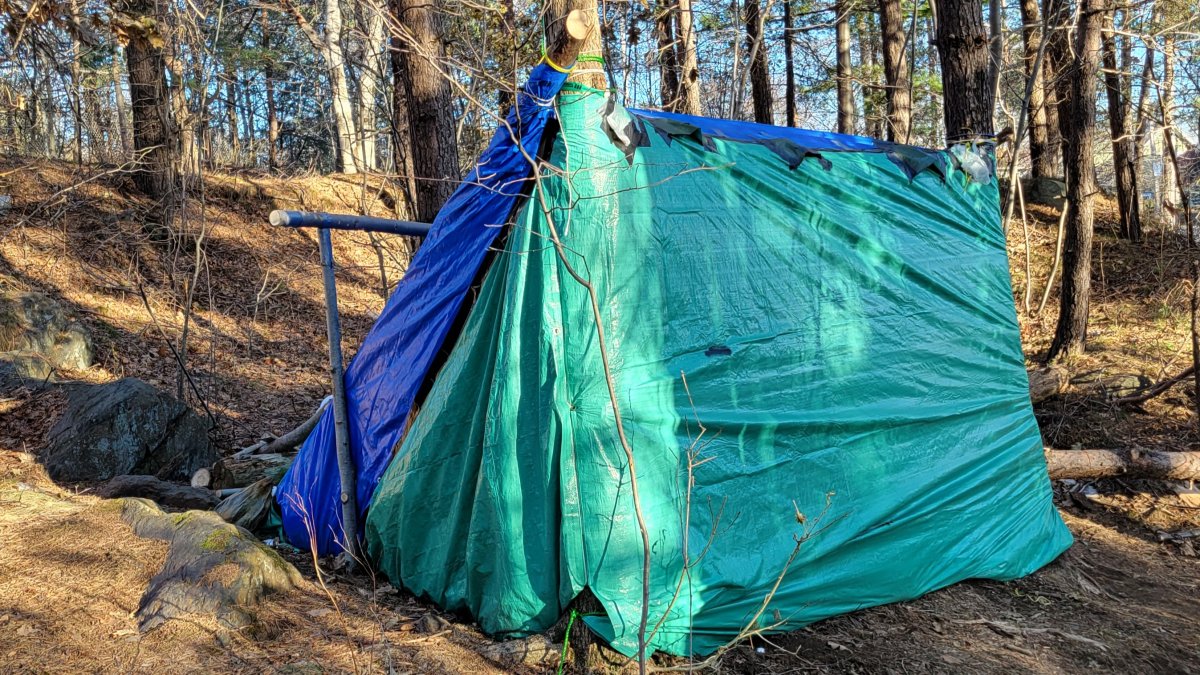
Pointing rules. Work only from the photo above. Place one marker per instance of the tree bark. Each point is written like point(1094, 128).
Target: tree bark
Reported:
point(760, 74)
point(1059, 75)
point(368, 85)
point(1151, 464)
point(845, 69)
point(154, 132)
point(349, 148)
point(1118, 109)
point(789, 67)
point(895, 71)
point(689, 72)
point(429, 104)
point(122, 106)
point(231, 119)
point(1071, 332)
point(269, 94)
point(668, 66)
point(963, 52)
point(233, 472)
point(1044, 155)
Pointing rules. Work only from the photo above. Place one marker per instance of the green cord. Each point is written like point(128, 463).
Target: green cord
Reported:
point(589, 58)
point(562, 659)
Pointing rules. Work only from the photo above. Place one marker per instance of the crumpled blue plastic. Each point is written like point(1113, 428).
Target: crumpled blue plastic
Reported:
point(390, 368)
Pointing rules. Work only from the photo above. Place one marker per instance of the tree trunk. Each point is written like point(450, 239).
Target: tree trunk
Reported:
point(760, 74)
point(963, 52)
point(76, 85)
point(1142, 121)
point(1118, 108)
point(343, 113)
point(189, 161)
point(1093, 464)
point(789, 66)
point(236, 472)
point(1071, 331)
point(231, 120)
point(1166, 108)
point(269, 94)
point(372, 71)
point(1059, 75)
point(401, 133)
point(1043, 150)
point(870, 53)
point(895, 71)
point(154, 132)
point(689, 73)
point(122, 106)
point(430, 106)
point(668, 67)
point(845, 69)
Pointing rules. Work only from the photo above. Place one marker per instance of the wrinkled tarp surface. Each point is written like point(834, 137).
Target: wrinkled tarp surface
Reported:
point(854, 383)
point(390, 366)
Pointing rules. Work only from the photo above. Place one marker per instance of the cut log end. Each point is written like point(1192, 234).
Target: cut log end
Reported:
point(1047, 383)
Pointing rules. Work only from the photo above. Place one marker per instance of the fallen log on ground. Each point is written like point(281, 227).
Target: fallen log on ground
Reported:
point(249, 507)
point(1047, 382)
point(1151, 464)
point(160, 491)
point(236, 472)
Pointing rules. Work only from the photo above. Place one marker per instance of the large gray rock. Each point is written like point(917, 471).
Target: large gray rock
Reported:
point(23, 368)
point(125, 427)
point(35, 322)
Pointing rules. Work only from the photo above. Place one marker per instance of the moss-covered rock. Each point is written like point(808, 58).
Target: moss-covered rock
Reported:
point(212, 569)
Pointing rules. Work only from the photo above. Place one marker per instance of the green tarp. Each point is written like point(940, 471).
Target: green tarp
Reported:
point(850, 348)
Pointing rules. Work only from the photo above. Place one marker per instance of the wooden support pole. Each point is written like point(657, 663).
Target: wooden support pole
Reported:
point(341, 426)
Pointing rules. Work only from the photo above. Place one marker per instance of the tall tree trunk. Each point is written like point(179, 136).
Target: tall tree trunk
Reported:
point(269, 94)
point(343, 111)
point(1060, 72)
point(789, 66)
point(760, 74)
point(401, 133)
point(668, 68)
point(1043, 153)
point(1118, 108)
point(231, 119)
point(1143, 123)
point(373, 66)
point(995, 46)
point(870, 54)
point(689, 72)
point(735, 51)
point(1071, 332)
point(189, 160)
point(895, 71)
point(430, 107)
point(963, 50)
point(155, 137)
point(248, 117)
point(76, 85)
point(121, 104)
point(1166, 107)
point(845, 69)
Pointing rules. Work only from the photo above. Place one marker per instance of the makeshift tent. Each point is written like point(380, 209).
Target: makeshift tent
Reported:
point(814, 352)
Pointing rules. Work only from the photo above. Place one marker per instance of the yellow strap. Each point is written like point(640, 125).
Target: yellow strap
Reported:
point(552, 64)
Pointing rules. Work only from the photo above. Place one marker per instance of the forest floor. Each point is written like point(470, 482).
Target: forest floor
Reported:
point(71, 573)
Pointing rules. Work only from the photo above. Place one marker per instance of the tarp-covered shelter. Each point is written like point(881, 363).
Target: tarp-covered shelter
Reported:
point(805, 333)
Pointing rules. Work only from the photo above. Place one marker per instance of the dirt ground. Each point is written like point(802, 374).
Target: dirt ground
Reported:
point(71, 573)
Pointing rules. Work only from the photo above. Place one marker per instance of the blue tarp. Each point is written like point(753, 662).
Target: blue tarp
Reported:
point(389, 369)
